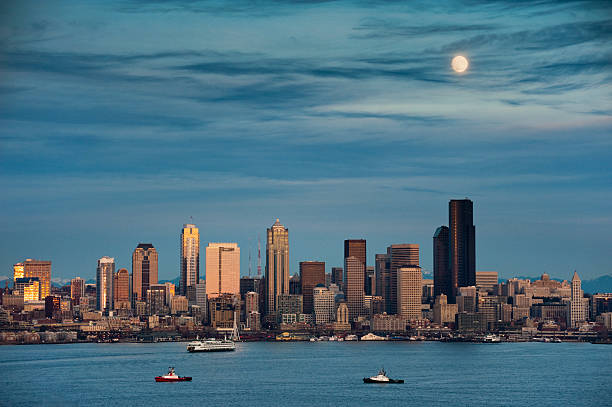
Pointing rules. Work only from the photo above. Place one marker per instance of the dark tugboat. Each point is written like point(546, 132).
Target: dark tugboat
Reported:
point(172, 377)
point(381, 377)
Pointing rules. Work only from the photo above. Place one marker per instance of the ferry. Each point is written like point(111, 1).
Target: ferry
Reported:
point(381, 377)
point(211, 345)
point(491, 339)
point(171, 376)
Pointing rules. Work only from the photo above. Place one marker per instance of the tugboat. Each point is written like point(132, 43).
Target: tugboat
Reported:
point(172, 377)
point(381, 378)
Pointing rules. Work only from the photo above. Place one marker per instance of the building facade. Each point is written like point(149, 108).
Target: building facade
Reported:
point(222, 269)
point(462, 238)
point(121, 289)
point(400, 255)
point(312, 273)
point(190, 257)
point(40, 269)
point(104, 283)
point(441, 270)
point(354, 276)
point(409, 292)
point(144, 270)
point(277, 266)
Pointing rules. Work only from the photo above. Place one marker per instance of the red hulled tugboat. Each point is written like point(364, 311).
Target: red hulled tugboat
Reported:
point(172, 377)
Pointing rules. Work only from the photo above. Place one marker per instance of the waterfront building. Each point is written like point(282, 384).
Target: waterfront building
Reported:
point(550, 311)
point(277, 266)
point(312, 273)
point(337, 274)
point(601, 303)
point(251, 302)
point(222, 269)
point(52, 305)
point(104, 283)
point(342, 318)
point(178, 304)
point(399, 255)
point(77, 290)
point(121, 289)
point(223, 309)
point(40, 269)
point(290, 304)
point(469, 321)
point(578, 306)
point(254, 321)
point(409, 292)
point(190, 257)
point(443, 312)
point(324, 305)
point(462, 238)
point(144, 270)
point(354, 275)
point(389, 323)
point(486, 280)
point(156, 299)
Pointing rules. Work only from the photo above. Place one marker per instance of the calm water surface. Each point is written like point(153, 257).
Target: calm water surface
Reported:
point(309, 374)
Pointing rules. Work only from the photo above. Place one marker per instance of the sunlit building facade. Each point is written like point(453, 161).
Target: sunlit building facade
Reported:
point(222, 269)
point(277, 266)
point(409, 292)
point(144, 270)
point(190, 257)
point(40, 269)
point(104, 283)
point(121, 289)
point(312, 273)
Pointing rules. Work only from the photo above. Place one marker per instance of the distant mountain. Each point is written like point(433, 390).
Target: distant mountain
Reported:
point(174, 281)
point(601, 284)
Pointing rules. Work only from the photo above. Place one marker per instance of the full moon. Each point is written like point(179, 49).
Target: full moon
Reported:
point(460, 63)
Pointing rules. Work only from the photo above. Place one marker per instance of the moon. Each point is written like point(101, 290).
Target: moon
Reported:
point(460, 63)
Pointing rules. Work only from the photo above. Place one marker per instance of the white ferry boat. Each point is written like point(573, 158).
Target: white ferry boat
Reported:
point(211, 345)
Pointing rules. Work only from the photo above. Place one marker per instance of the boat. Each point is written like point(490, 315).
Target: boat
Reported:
point(372, 337)
point(491, 339)
point(216, 345)
point(381, 377)
point(171, 376)
point(351, 338)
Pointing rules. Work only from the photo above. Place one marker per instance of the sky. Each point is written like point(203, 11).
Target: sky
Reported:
point(122, 120)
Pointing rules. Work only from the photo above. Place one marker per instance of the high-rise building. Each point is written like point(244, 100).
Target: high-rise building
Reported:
point(40, 269)
point(190, 257)
point(104, 283)
point(382, 266)
point(312, 273)
point(144, 270)
point(18, 271)
point(354, 275)
point(370, 281)
point(121, 289)
point(222, 269)
point(441, 270)
point(578, 306)
point(324, 305)
point(399, 255)
point(486, 280)
point(77, 290)
point(337, 274)
point(356, 248)
point(27, 287)
point(462, 238)
point(277, 266)
point(409, 291)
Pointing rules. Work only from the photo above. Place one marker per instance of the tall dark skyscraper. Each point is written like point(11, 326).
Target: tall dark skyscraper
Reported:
point(311, 274)
point(382, 279)
point(356, 248)
point(462, 251)
point(442, 279)
point(354, 276)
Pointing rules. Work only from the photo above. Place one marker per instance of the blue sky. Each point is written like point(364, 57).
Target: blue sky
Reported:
point(121, 119)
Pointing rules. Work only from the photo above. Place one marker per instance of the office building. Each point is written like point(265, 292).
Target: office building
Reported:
point(354, 276)
point(337, 273)
point(36, 268)
point(400, 255)
point(28, 288)
point(486, 280)
point(324, 305)
point(578, 306)
point(370, 281)
point(222, 269)
point(77, 290)
point(178, 304)
point(190, 257)
point(144, 270)
point(104, 283)
point(462, 238)
point(441, 270)
point(443, 312)
point(312, 273)
point(382, 266)
point(409, 292)
point(121, 289)
point(223, 310)
point(251, 302)
point(277, 266)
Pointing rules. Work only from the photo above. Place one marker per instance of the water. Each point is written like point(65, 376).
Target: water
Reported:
point(309, 374)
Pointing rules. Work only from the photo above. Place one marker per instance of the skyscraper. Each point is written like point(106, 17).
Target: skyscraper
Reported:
point(121, 289)
point(337, 274)
point(190, 257)
point(578, 308)
point(40, 269)
point(312, 273)
point(354, 276)
point(144, 270)
point(441, 271)
point(222, 269)
point(382, 266)
point(399, 255)
point(104, 283)
point(356, 248)
point(462, 251)
point(409, 291)
point(277, 265)
point(77, 290)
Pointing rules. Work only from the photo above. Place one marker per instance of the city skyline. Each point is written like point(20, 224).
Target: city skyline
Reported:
point(352, 123)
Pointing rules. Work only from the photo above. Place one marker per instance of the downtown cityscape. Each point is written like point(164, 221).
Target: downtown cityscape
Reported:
point(387, 298)
point(305, 203)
